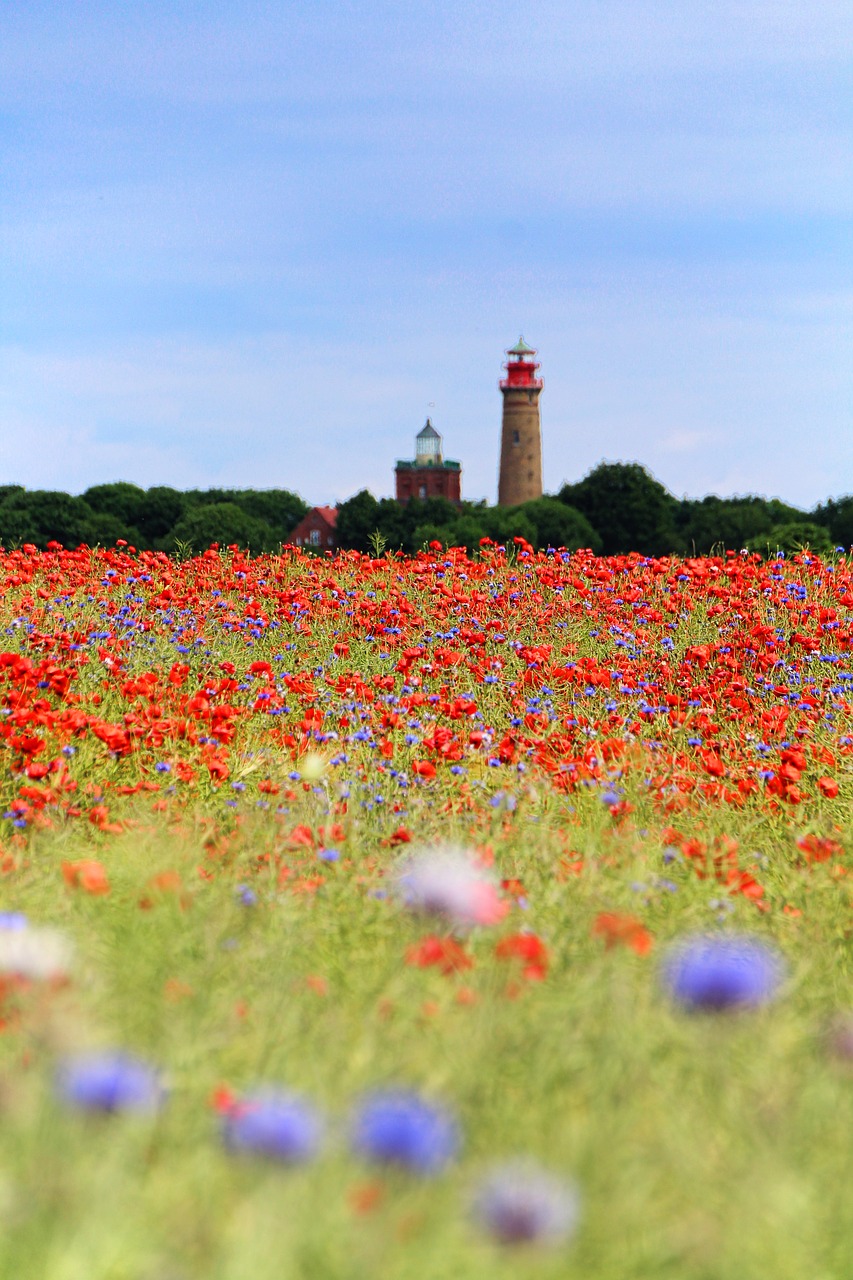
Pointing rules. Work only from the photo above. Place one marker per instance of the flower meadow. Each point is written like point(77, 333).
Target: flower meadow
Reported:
point(425, 917)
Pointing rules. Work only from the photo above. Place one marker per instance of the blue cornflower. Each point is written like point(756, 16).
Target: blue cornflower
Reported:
point(110, 1081)
point(519, 1203)
point(722, 972)
point(400, 1127)
point(275, 1124)
point(246, 896)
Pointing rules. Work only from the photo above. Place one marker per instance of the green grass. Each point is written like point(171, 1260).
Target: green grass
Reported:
point(703, 1146)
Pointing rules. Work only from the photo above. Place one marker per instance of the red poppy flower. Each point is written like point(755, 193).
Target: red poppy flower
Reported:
point(622, 930)
point(529, 949)
point(446, 954)
point(86, 874)
point(818, 848)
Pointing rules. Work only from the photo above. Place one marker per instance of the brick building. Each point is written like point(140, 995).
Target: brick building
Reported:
point(316, 529)
point(429, 474)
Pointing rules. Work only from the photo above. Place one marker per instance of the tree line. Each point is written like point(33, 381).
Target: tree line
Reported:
point(618, 507)
point(157, 519)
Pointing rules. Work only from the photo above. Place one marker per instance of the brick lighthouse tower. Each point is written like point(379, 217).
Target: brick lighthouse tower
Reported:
point(520, 476)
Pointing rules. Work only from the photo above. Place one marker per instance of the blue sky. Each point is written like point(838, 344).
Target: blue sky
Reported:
point(255, 244)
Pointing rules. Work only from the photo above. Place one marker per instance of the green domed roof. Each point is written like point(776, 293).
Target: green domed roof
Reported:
point(521, 349)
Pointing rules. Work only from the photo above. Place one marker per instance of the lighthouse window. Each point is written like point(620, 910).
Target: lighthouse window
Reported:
point(515, 438)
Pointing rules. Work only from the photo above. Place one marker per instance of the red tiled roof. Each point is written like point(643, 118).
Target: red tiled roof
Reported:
point(327, 516)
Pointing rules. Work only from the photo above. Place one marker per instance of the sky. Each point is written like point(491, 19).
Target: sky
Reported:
point(256, 244)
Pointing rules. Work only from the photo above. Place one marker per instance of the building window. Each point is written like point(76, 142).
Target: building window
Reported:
point(314, 537)
point(422, 492)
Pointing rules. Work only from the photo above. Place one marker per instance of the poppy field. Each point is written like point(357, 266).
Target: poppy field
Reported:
point(443, 916)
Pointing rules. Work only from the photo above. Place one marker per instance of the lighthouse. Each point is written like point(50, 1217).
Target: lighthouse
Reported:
point(520, 477)
point(430, 474)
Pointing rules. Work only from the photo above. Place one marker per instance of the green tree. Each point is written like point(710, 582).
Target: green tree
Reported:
point(559, 525)
point(117, 508)
point(279, 508)
point(796, 535)
point(424, 534)
point(435, 511)
point(103, 529)
point(225, 523)
point(502, 524)
point(357, 520)
point(161, 510)
point(465, 531)
point(391, 524)
point(836, 515)
point(123, 500)
point(629, 508)
point(730, 523)
point(41, 516)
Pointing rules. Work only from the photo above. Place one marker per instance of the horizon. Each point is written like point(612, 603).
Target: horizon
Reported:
point(253, 245)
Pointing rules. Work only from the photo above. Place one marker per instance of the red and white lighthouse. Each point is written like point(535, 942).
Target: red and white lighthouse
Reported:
point(520, 477)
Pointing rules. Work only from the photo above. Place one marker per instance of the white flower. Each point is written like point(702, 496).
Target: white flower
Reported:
point(519, 1203)
point(34, 952)
point(448, 882)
